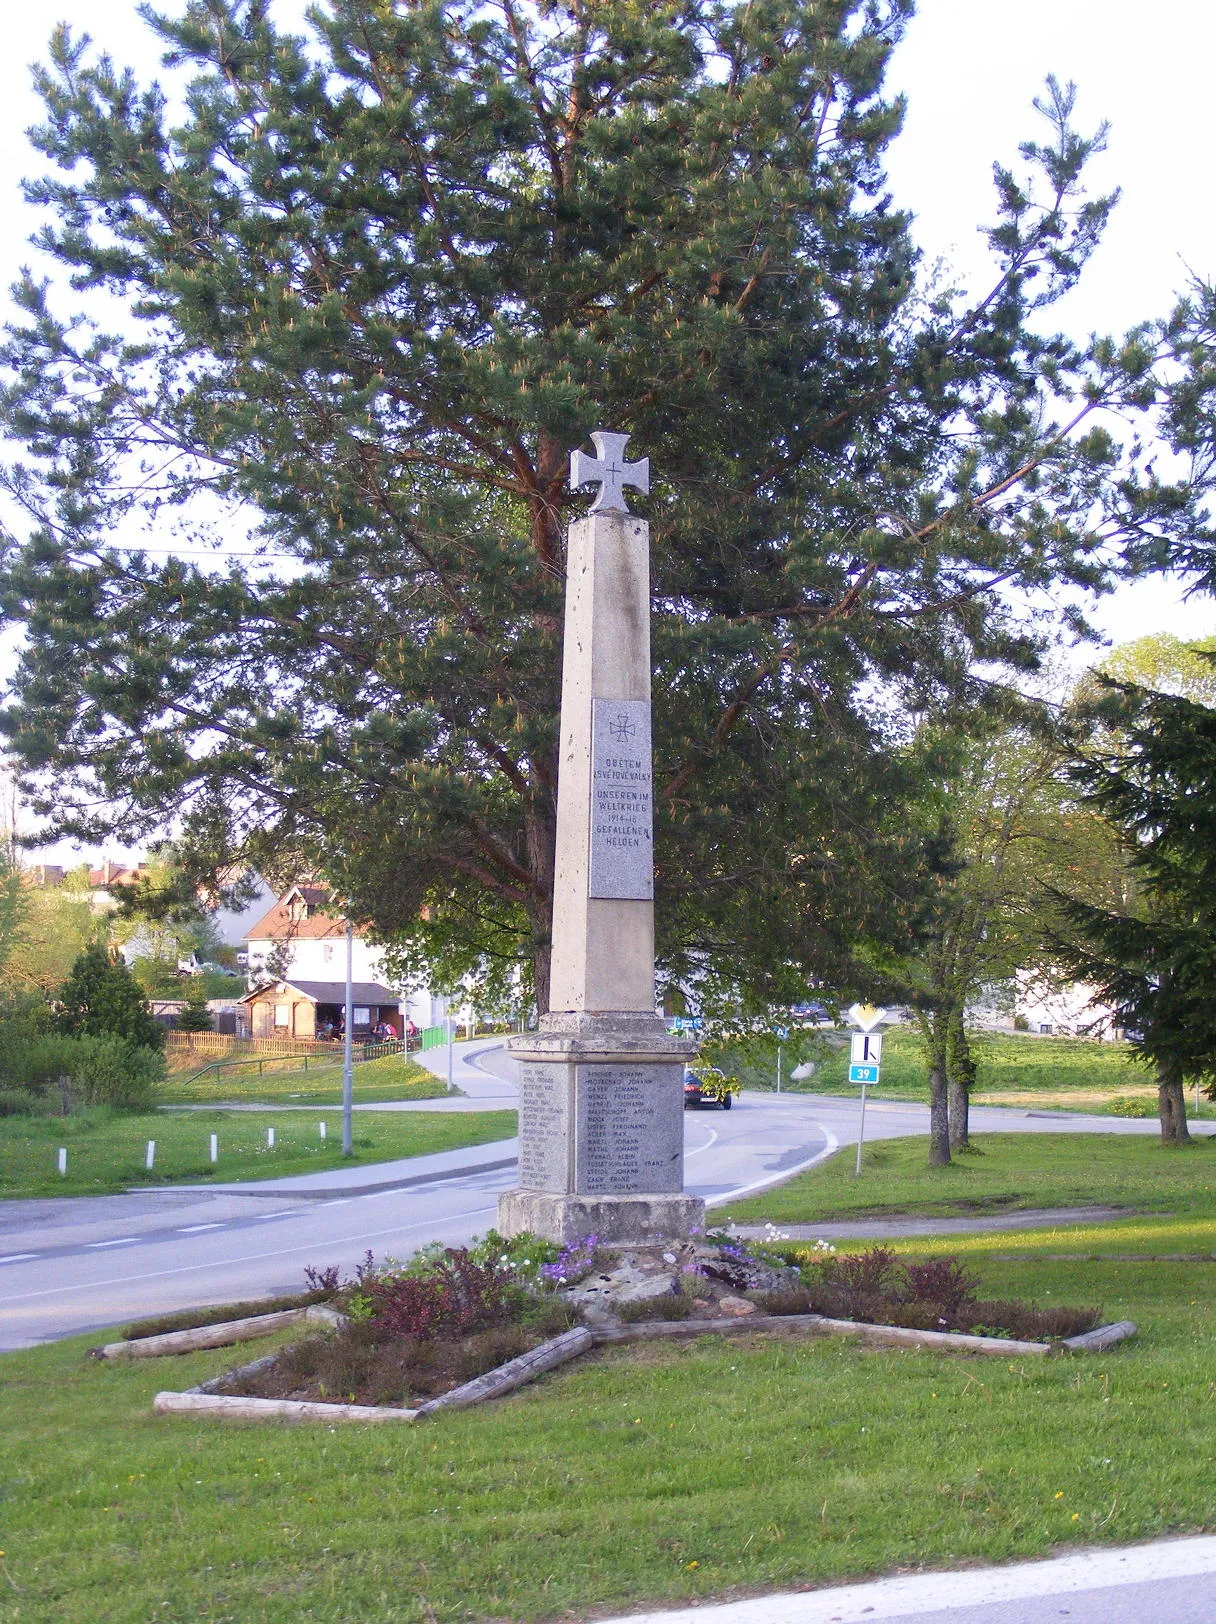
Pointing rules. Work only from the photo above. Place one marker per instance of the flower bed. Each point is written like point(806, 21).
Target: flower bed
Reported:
point(459, 1326)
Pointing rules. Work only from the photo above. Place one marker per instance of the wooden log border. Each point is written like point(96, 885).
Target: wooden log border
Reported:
point(221, 1335)
point(203, 1401)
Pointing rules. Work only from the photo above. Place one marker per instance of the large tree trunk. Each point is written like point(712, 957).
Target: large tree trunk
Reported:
point(960, 1073)
point(1171, 1106)
point(957, 1105)
point(939, 1105)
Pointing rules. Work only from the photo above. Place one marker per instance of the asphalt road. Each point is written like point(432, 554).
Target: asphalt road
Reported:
point(74, 1265)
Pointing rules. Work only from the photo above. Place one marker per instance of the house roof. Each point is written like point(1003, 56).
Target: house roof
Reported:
point(279, 926)
point(111, 873)
point(332, 992)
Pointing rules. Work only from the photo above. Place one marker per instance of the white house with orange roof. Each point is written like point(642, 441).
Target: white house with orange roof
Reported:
point(297, 940)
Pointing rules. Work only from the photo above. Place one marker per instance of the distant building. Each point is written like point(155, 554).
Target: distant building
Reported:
point(298, 942)
point(315, 1009)
point(46, 874)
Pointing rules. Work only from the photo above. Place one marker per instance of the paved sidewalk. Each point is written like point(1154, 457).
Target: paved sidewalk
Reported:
point(372, 1176)
point(893, 1228)
point(1172, 1581)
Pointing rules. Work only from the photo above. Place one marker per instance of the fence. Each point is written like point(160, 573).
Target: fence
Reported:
point(330, 1054)
point(188, 1044)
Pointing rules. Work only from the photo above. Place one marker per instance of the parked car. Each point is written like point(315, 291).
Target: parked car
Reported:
point(706, 1085)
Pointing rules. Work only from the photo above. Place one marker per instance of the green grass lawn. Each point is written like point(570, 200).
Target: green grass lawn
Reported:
point(106, 1150)
point(284, 1081)
point(1004, 1172)
point(658, 1474)
point(1013, 1069)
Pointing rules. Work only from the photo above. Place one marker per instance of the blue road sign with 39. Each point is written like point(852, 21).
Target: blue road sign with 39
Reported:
point(863, 1074)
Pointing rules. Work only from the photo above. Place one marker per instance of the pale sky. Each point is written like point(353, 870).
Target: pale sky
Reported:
point(970, 70)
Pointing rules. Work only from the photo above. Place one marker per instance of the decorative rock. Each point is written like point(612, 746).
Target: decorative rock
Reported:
point(629, 1282)
point(736, 1307)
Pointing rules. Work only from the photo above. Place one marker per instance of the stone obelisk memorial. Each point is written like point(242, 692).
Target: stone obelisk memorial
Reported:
point(601, 1098)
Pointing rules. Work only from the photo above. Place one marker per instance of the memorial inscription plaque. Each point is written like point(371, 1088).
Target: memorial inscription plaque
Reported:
point(622, 814)
point(544, 1126)
point(630, 1133)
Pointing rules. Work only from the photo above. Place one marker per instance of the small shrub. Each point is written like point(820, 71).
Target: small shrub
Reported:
point(114, 1071)
point(69, 1071)
point(943, 1281)
point(19, 1102)
point(863, 1272)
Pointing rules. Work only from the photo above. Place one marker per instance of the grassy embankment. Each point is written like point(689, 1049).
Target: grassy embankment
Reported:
point(1004, 1173)
point(657, 1474)
point(106, 1150)
point(283, 1080)
point(1014, 1069)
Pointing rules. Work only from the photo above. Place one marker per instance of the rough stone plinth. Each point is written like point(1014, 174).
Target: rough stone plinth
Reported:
point(614, 1218)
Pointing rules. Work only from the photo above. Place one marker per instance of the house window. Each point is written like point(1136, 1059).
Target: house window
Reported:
point(282, 1014)
point(1045, 1030)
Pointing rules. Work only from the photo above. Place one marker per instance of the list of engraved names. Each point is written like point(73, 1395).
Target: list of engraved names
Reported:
point(630, 1130)
point(544, 1129)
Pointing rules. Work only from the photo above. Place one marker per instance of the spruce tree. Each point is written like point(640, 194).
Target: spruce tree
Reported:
point(372, 287)
point(1153, 960)
point(194, 1016)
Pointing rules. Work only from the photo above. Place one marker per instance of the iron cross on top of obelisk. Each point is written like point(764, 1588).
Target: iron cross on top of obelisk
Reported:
point(612, 472)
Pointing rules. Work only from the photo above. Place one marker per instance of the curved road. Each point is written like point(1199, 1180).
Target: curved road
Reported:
point(72, 1265)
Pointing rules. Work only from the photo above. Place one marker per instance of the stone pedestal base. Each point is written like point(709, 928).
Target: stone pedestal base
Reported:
point(614, 1219)
point(601, 1130)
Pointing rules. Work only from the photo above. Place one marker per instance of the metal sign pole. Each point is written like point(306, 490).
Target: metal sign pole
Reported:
point(778, 1065)
point(861, 1132)
point(348, 1067)
point(451, 1026)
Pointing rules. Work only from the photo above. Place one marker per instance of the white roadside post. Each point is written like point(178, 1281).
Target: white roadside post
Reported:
point(215, 1148)
point(270, 1139)
point(865, 1055)
point(321, 1131)
point(150, 1155)
point(348, 1065)
point(63, 1161)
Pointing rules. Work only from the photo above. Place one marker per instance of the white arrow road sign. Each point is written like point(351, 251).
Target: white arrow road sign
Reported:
point(865, 1049)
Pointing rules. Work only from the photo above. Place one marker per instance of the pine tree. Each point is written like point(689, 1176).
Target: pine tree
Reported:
point(374, 287)
point(101, 998)
point(1154, 959)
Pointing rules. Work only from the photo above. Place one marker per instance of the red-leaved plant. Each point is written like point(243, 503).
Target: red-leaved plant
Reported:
point(454, 1298)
